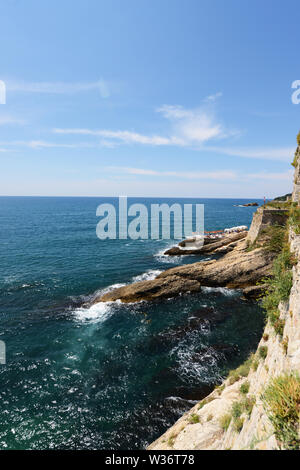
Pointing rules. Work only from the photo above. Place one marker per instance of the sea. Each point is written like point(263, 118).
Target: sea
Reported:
point(106, 376)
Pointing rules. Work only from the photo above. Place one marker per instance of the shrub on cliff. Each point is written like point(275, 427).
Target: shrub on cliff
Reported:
point(282, 402)
point(294, 219)
point(279, 286)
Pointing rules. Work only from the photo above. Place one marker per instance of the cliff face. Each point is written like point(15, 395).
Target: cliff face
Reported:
point(296, 190)
point(235, 415)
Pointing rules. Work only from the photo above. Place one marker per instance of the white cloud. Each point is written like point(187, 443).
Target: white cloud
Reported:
point(212, 98)
point(188, 127)
point(59, 87)
point(126, 137)
point(222, 175)
point(39, 144)
point(284, 154)
point(6, 119)
point(286, 176)
point(204, 175)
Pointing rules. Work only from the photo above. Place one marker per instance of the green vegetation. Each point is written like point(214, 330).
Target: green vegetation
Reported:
point(194, 419)
point(283, 198)
point(219, 389)
point(279, 204)
point(171, 440)
point(282, 403)
point(204, 402)
point(279, 326)
point(294, 219)
point(295, 161)
point(209, 417)
point(275, 235)
point(237, 409)
point(238, 425)
point(298, 138)
point(279, 287)
point(225, 421)
point(244, 388)
point(285, 344)
point(248, 404)
point(263, 352)
point(242, 371)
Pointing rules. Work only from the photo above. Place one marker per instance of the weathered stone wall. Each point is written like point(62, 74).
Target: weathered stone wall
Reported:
point(263, 218)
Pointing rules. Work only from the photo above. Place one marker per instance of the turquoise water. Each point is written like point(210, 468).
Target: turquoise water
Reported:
point(109, 376)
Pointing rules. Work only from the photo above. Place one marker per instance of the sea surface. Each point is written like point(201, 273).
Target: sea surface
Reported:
point(108, 376)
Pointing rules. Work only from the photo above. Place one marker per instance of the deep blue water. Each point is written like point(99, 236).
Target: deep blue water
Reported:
point(107, 376)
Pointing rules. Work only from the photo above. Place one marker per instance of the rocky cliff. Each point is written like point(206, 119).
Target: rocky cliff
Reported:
point(258, 405)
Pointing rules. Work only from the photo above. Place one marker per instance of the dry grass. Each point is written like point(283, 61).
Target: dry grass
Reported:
point(282, 403)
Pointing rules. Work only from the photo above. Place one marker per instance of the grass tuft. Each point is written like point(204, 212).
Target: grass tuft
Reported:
point(225, 421)
point(282, 402)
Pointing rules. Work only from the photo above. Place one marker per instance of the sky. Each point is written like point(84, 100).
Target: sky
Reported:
point(165, 98)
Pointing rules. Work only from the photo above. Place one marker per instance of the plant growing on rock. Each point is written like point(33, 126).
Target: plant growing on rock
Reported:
point(263, 352)
point(244, 388)
point(282, 402)
point(194, 419)
point(238, 425)
point(279, 287)
point(225, 421)
point(285, 344)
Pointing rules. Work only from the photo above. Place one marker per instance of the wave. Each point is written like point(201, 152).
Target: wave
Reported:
point(147, 276)
point(221, 290)
point(98, 312)
point(162, 258)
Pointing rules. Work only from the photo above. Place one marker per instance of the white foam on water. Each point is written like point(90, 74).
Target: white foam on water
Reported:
point(98, 312)
point(147, 276)
point(162, 258)
point(222, 290)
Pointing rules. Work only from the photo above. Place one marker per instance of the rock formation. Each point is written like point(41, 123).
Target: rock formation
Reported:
point(239, 268)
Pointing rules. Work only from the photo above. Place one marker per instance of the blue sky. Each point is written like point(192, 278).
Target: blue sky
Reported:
point(148, 98)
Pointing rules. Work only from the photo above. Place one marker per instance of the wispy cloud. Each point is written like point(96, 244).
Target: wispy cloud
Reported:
point(6, 119)
point(40, 144)
point(203, 175)
point(284, 154)
point(212, 98)
point(126, 137)
point(59, 87)
point(284, 176)
point(221, 175)
point(188, 127)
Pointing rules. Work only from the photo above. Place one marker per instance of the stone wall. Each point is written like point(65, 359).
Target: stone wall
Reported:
point(265, 217)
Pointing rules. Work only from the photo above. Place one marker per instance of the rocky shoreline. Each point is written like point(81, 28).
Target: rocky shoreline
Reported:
point(237, 268)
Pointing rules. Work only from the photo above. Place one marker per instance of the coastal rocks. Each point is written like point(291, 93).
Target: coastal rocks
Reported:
point(250, 204)
point(238, 269)
point(254, 292)
point(208, 247)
